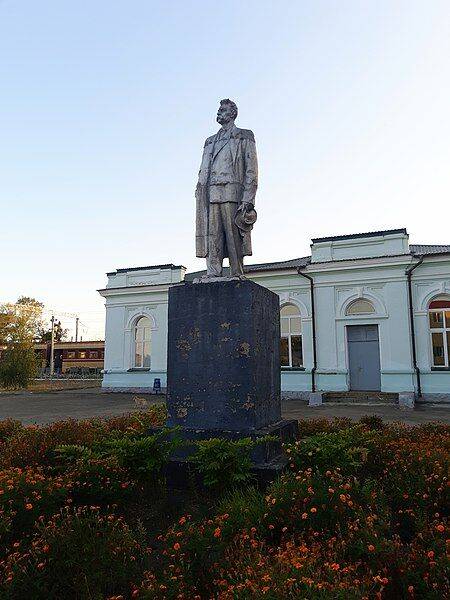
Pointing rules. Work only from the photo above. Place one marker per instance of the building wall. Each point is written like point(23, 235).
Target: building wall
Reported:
point(122, 312)
point(337, 283)
point(430, 280)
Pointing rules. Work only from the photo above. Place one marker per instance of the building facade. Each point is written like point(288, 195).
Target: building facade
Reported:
point(363, 312)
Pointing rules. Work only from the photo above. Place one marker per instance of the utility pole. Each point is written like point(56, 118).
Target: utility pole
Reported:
point(76, 328)
point(52, 347)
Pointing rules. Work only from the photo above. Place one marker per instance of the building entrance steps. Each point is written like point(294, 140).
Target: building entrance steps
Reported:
point(358, 397)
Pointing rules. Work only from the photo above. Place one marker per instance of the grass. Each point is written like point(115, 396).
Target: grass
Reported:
point(56, 385)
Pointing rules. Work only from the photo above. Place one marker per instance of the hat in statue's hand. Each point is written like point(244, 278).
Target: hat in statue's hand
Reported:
point(245, 219)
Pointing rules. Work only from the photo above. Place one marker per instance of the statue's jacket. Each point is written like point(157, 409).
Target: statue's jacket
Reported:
point(229, 161)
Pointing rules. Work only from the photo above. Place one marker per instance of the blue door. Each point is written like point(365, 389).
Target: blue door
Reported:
point(364, 357)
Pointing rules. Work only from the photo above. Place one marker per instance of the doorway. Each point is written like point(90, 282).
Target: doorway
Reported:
point(364, 357)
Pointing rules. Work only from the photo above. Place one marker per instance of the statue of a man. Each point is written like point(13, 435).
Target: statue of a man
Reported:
point(225, 195)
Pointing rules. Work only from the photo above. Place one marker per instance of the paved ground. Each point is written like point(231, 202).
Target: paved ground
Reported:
point(80, 404)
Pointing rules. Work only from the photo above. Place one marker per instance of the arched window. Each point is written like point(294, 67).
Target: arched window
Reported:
point(142, 343)
point(439, 320)
point(291, 351)
point(360, 307)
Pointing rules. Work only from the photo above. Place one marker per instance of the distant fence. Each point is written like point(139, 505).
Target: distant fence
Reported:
point(71, 373)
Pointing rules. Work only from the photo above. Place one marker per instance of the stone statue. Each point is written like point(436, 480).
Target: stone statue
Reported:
point(225, 195)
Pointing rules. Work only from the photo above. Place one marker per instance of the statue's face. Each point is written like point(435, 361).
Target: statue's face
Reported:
point(225, 114)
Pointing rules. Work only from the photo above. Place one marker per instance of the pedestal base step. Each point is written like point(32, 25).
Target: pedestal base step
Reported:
point(267, 456)
point(182, 475)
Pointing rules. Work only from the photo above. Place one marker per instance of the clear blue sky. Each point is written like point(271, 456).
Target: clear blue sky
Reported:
point(105, 106)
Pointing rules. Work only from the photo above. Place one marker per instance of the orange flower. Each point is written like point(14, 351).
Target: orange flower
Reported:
point(176, 546)
point(217, 532)
point(182, 521)
point(29, 506)
point(313, 509)
point(430, 554)
point(334, 566)
point(370, 547)
point(440, 528)
point(304, 516)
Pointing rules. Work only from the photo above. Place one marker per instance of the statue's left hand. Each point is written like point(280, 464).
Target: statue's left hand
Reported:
point(245, 206)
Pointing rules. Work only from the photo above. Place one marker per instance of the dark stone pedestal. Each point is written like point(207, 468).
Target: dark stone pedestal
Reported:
point(223, 367)
point(223, 372)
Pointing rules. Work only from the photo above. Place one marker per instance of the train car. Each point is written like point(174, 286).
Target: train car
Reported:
point(72, 357)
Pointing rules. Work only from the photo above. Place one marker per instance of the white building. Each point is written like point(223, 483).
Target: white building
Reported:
point(346, 318)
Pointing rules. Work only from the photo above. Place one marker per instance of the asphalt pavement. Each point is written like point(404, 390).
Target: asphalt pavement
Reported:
point(47, 407)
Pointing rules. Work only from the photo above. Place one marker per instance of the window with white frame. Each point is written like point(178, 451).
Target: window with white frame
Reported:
point(291, 349)
point(439, 320)
point(142, 343)
point(360, 307)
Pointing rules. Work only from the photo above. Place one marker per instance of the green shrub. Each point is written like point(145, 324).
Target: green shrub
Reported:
point(372, 422)
point(139, 456)
point(77, 554)
point(33, 445)
point(319, 501)
point(143, 455)
point(26, 495)
point(72, 453)
point(348, 449)
point(18, 366)
point(308, 427)
point(100, 481)
point(224, 463)
point(244, 506)
point(8, 428)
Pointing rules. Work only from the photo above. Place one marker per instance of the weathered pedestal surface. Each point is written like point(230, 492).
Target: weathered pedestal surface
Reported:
point(223, 356)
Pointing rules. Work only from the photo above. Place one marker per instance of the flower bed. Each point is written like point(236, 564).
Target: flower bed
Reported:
point(359, 513)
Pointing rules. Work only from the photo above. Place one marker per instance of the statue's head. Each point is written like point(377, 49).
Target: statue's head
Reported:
point(228, 111)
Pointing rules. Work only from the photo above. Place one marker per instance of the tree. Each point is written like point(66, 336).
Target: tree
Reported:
point(59, 334)
point(18, 366)
point(27, 301)
point(20, 324)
